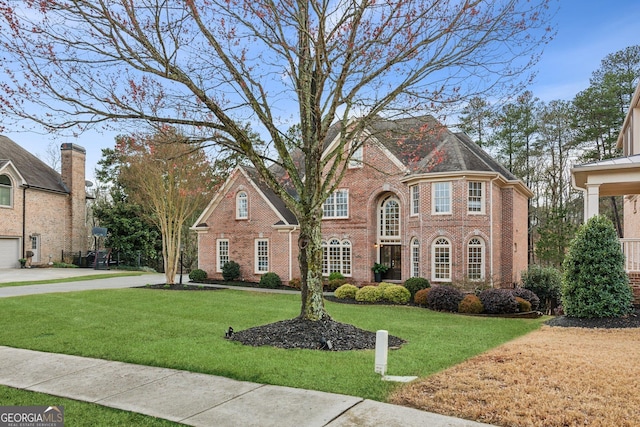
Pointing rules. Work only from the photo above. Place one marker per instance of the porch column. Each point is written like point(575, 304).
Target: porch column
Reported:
point(591, 201)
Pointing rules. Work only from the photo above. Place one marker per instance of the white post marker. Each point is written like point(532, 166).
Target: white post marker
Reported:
point(382, 349)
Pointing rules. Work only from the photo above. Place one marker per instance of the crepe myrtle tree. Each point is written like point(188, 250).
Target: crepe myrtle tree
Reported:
point(208, 65)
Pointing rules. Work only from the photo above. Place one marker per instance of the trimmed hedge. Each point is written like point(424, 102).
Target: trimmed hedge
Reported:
point(420, 298)
point(414, 284)
point(470, 304)
point(396, 294)
point(527, 295)
point(346, 291)
point(270, 280)
point(444, 298)
point(197, 275)
point(498, 301)
point(369, 294)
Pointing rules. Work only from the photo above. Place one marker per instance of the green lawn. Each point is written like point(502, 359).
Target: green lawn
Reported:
point(185, 330)
point(79, 414)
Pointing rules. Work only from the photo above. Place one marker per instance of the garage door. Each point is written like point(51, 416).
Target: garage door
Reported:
point(9, 253)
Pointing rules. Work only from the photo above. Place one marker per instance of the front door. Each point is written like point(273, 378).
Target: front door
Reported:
point(391, 256)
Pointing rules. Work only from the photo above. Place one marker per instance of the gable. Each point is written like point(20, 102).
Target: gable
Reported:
point(245, 178)
point(35, 173)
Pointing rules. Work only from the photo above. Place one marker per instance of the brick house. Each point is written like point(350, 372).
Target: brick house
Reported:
point(41, 210)
point(417, 197)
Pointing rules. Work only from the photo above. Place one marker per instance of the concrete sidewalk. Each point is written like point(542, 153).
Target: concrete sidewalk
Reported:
point(198, 399)
point(181, 396)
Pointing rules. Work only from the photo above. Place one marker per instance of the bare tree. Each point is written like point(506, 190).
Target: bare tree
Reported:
point(210, 65)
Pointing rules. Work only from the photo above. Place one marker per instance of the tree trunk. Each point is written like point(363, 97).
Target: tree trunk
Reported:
point(310, 258)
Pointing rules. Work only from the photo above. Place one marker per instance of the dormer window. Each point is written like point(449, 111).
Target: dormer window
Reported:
point(6, 191)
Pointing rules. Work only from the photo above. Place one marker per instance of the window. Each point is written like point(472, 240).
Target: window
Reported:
point(441, 260)
point(442, 197)
point(223, 253)
point(475, 200)
point(262, 256)
point(415, 199)
point(475, 259)
point(336, 256)
point(242, 205)
point(6, 191)
point(336, 205)
point(355, 161)
point(415, 258)
point(389, 227)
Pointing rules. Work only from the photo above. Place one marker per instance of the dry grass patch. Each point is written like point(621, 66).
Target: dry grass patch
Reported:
point(550, 377)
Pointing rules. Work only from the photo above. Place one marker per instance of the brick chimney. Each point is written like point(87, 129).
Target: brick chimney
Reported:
point(73, 158)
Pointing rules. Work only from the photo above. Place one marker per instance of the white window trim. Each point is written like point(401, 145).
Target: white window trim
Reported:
point(383, 220)
point(11, 187)
point(433, 261)
point(482, 247)
point(218, 263)
point(342, 244)
point(433, 198)
point(415, 261)
point(357, 158)
point(335, 206)
point(257, 256)
point(482, 198)
point(246, 199)
point(415, 204)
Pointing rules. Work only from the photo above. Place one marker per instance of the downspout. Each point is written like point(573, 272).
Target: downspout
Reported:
point(24, 218)
point(491, 232)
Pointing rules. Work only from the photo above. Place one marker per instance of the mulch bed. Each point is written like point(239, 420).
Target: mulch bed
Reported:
point(630, 321)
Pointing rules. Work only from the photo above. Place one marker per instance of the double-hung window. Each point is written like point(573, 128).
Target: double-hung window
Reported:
point(6, 191)
point(336, 205)
point(475, 259)
point(242, 205)
point(262, 256)
point(442, 197)
point(441, 271)
point(415, 199)
point(475, 200)
point(222, 253)
point(336, 257)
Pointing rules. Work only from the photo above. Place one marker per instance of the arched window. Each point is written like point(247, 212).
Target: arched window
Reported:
point(389, 227)
point(415, 258)
point(336, 257)
point(6, 191)
point(475, 259)
point(441, 270)
point(242, 205)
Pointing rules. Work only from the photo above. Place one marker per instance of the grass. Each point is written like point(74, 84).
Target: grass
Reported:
point(72, 279)
point(184, 330)
point(80, 414)
point(551, 377)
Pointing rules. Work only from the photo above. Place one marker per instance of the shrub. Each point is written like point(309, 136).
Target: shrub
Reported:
point(346, 291)
point(334, 284)
point(270, 280)
point(295, 283)
point(545, 283)
point(594, 282)
point(396, 294)
point(231, 271)
point(335, 275)
point(498, 301)
point(470, 304)
point(384, 285)
point(369, 294)
point(414, 284)
point(524, 306)
point(527, 295)
point(420, 298)
point(197, 275)
point(444, 298)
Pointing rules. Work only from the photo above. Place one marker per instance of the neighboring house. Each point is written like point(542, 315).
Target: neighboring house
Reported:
point(618, 177)
point(41, 210)
point(418, 198)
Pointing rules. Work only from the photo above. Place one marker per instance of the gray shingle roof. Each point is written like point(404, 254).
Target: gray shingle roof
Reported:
point(35, 172)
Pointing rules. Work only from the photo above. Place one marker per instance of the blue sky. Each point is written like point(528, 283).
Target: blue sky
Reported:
point(587, 30)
